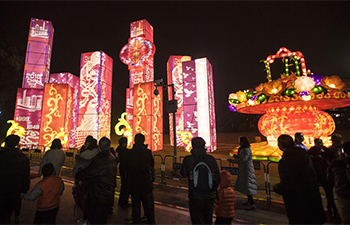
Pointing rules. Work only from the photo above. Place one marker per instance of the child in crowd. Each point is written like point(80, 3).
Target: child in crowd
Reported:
point(48, 190)
point(225, 203)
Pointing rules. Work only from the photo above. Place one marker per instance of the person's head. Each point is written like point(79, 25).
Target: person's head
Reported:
point(346, 148)
point(92, 144)
point(336, 140)
point(198, 142)
point(298, 137)
point(225, 179)
point(12, 141)
point(244, 142)
point(88, 140)
point(56, 144)
point(104, 144)
point(139, 138)
point(48, 170)
point(318, 143)
point(285, 142)
point(123, 141)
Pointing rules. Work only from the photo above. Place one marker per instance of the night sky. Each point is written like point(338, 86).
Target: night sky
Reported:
point(234, 36)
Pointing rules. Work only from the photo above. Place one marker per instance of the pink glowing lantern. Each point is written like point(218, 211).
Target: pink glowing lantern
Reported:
point(73, 81)
point(38, 55)
point(28, 114)
point(95, 96)
point(199, 106)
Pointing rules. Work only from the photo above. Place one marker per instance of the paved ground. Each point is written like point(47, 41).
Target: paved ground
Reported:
point(171, 207)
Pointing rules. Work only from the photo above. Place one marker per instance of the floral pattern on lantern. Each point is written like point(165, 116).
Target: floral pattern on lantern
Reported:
point(306, 119)
point(333, 82)
point(273, 87)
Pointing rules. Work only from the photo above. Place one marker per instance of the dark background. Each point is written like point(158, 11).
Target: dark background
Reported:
point(234, 36)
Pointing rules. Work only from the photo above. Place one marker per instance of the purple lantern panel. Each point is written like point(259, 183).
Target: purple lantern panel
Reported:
point(28, 114)
point(38, 54)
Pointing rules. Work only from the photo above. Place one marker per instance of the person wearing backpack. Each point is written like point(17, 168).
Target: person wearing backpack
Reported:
point(203, 180)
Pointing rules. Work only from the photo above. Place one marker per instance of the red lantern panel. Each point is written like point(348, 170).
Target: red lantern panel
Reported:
point(148, 115)
point(56, 114)
point(289, 120)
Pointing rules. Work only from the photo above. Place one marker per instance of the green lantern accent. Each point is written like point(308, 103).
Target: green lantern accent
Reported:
point(235, 101)
point(286, 67)
point(289, 92)
point(250, 94)
point(267, 67)
point(261, 97)
point(297, 66)
point(318, 89)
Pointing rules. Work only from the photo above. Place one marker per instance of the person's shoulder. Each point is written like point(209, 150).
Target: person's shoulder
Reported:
point(337, 163)
point(187, 157)
point(210, 157)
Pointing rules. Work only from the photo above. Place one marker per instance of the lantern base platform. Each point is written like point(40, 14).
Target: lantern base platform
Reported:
point(262, 151)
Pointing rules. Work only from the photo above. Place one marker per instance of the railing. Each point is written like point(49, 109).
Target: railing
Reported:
point(166, 172)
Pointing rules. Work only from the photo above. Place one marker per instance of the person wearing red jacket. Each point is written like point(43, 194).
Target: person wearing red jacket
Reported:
point(48, 192)
point(225, 203)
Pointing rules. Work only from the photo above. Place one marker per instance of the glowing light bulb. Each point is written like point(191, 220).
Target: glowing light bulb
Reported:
point(274, 91)
point(306, 97)
point(331, 85)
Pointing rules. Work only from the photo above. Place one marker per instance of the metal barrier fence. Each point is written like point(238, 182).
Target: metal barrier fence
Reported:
point(165, 173)
point(37, 153)
point(224, 164)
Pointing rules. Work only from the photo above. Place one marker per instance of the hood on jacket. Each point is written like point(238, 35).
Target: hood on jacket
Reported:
point(197, 152)
point(225, 179)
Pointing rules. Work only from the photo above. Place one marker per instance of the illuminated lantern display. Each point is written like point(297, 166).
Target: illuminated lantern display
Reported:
point(138, 55)
point(293, 103)
point(56, 114)
point(129, 106)
point(175, 76)
point(148, 115)
point(38, 55)
point(198, 101)
point(95, 96)
point(289, 120)
point(28, 114)
point(124, 128)
point(36, 74)
point(72, 81)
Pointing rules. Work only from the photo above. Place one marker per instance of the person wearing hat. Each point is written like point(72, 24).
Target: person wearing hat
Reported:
point(55, 155)
point(14, 176)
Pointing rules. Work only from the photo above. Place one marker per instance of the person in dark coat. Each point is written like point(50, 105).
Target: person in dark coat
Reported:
point(298, 140)
point(336, 148)
point(140, 167)
point(321, 158)
point(298, 185)
point(339, 173)
point(14, 176)
point(100, 175)
point(201, 204)
point(122, 155)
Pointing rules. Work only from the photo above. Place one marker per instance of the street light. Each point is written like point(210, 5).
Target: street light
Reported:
point(171, 106)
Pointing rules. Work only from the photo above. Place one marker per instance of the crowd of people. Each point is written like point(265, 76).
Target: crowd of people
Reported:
point(301, 172)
